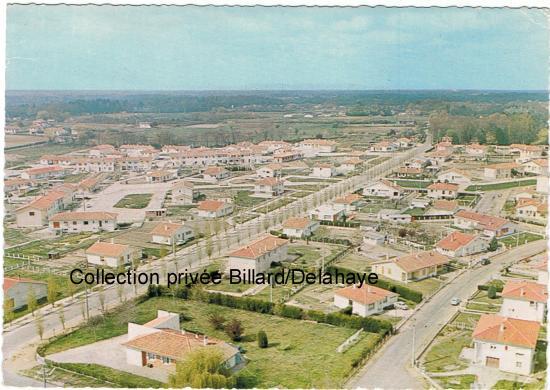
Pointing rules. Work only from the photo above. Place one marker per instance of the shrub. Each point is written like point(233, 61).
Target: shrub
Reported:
point(347, 310)
point(289, 311)
point(217, 321)
point(262, 339)
point(234, 329)
point(492, 292)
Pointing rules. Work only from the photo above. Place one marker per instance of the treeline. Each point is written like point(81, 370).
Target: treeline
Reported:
point(499, 129)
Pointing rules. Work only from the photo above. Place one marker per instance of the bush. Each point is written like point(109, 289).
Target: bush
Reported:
point(493, 245)
point(217, 321)
point(347, 310)
point(234, 329)
point(289, 311)
point(492, 292)
point(262, 339)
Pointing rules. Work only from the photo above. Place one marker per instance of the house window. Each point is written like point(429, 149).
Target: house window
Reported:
point(518, 364)
point(166, 360)
point(85, 222)
point(31, 213)
point(371, 306)
point(150, 356)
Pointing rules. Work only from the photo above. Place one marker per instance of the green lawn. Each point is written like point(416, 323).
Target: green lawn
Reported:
point(505, 384)
point(523, 238)
point(275, 205)
point(443, 355)
point(300, 354)
point(457, 381)
point(412, 183)
point(243, 199)
point(63, 244)
point(416, 211)
point(15, 236)
point(134, 201)
point(490, 308)
point(502, 186)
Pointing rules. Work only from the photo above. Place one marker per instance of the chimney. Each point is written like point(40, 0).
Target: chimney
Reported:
point(205, 340)
point(522, 291)
point(502, 327)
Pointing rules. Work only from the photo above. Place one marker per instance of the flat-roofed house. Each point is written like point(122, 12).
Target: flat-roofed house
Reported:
point(384, 188)
point(365, 300)
point(490, 225)
point(215, 174)
point(37, 212)
point(268, 187)
point(214, 208)
point(161, 343)
point(300, 227)
point(184, 193)
point(411, 267)
point(458, 244)
point(259, 254)
point(443, 191)
point(505, 343)
point(328, 212)
point(160, 176)
point(500, 170)
point(171, 233)
point(524, 300)
point(109, 254)
point(18, 289)
point(83, 221)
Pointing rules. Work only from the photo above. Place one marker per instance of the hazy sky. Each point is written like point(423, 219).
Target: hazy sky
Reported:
point(184, 48)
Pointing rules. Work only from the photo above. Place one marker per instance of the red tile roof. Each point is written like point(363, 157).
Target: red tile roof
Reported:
point(10, 282)
point(525, 291)
point(107, 249)
point(259, 247)
point(365, 294)
point(509, 331)
point(455, 240)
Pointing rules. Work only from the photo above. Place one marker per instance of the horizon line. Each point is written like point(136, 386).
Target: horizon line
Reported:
point(286, 90)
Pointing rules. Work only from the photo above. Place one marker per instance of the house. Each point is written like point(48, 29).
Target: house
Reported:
point(505, 343)
point(395, 216)
point(328, 212)
point(490, 225)
point(161, 343)
point(443, 207)
point(268, 187)
point(500, 170)
point(524, 300)
point(312, 147)
point(455, 176)
point(409, 172)
point(405, 142)
point(214, 209)
point(443, 191)
point(458, 244)
point(542, 185)
point(17, 185)
point(102, 150)
point(109, 254)
point(258, 255)
point(37, 212)
point(373, 238)
point(445, 145)
point(89, 185)
point(476, 150)
point(160, 176)
point(384, 146)
point(171, 233)
point(439, 157)
point(323, 171)
point(411, 267)
point(537, 166)
point(528, 193)
point(350, 165)
point(270, 170)
point(365, 300)
point(138, 150)
point(43, 173)
point(350, 202)
point(531, 209)
point(135, 163)
point(299, 227)
point(287, 155)
point(83, 221)
point(384, 188)
point(184, 193)
point(421, 203)
point(526, 152)
point(215, 174)
point(18, 290)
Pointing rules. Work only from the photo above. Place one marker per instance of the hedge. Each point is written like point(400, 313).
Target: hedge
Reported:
point(485, 287)
point(341, 224)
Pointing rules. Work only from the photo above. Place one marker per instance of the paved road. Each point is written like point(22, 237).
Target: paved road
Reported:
point(492, 202)
point(391, 367)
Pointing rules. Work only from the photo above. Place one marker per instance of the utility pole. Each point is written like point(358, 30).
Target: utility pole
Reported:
point(413, 360)
point(87, 304)
point(44, 373)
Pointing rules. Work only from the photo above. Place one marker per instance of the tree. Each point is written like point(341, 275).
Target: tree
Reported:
point(8, 309)
point(234, 329)
point(493, 245)
point(163, 252)
point(101, 298)
point(52, 290)
point(39, 321)
point(209, 248)
point(32, 304)
point(262, 339)
point(61, 315)
point(217, 321)
point(202, 368)
point(492, 292)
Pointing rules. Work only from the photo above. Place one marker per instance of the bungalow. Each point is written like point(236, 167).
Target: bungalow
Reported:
point(184, 193)
point(171, 233)
point(135, 164)
point(528, 193)
point(350, 165)
point(458, 244)
point(350, 202)
point(455, 176)
point(37, 212)
point(537, 166)
point(405, 142)
point(445, 145)
point(418, 162)
point(395, 216)
point(443, 191)
point(18, 290)
point(138, 150)
point(89, 185)
point(328, 212)
point(43, 173)
point(102, 150)
point(490, 225)
point(161, 343)
point(268, 187)
point(287, 155)
point(323, 171)
point(384, 188)
point(16, 185)
point(505, 343)
point(476, 150)
point(215, 174)
point(500, 170)
point(414, 266)
point(365, 300)
point(259, 254)
point(409, 172)
point(526, 152)
point(524, 300)
point(83, 221)
point(312, 147)
point(270, 170)
point(109, 254)
point(160, 176)
point(214, 208)
point(443, 207)
point(439, 157)
point(531, 209)
point(299, 227)
point(384, 146)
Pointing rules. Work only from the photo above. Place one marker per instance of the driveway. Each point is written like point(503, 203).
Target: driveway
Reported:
point(109, 353)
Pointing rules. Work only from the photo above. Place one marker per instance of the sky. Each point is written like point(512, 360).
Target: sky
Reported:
point(60, 47)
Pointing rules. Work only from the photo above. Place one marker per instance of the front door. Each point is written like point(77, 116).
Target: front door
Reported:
point(492, 362)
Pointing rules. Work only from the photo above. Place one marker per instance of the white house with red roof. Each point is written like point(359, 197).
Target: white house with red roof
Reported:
point(299, 227)
point(365, 300)
point(169, 233)
point(531, 209)
point(215, 174)
point(110, 254)
point(268, 187)
point(38, 211)
point(83, 221)
point(490, 225)
point(211, 208)
point(323, 171)
point(458, 244)
point(44, 173)
point(443, 191)
point(505, 343)
point(384, 188)
point(184, 193)
point(259, 254)
point(411, 267)
point(537, 166)
point(455, 176)
point(524, 300)
point(270, 170)
point(17, 290)
point(312, 147)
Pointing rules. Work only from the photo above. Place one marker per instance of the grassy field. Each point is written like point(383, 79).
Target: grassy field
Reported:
point(412, 183)
point(62, 245)
point(274, 205)
point(300, 354)
point(505, 384)
point(502, 186)
point(457, 381)
point(14, 236)
point(444, 353)
point(243, 199)
point(134, 201)
point(524, 238)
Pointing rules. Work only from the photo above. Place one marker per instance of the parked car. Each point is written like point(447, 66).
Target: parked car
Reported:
point(455, 301)
point(401, 305)
point(485, 261)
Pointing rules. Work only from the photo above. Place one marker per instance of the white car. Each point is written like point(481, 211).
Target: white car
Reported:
point(455, 301)
point(401, 305)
